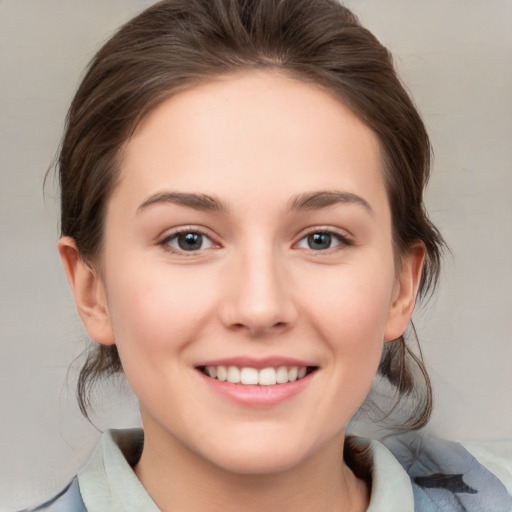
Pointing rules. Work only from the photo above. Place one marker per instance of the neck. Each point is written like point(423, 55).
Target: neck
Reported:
point(178, 479)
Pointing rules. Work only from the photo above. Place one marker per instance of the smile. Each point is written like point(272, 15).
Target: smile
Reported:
point(250, 376)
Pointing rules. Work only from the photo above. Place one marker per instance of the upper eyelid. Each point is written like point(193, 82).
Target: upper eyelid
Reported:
point(342, 234)
point(165, 239)
point(344, 242)
point(169, 234)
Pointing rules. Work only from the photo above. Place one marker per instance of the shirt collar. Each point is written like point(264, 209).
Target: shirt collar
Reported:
point(108, 481)
point(391, 489)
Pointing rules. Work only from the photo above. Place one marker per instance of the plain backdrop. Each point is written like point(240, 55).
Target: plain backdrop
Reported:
point(455, 57)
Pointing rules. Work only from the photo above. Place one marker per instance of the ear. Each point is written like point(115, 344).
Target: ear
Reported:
point(89, 293)
point(406, 289)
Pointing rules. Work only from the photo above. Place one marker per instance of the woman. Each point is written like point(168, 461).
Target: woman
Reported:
point(245, 238)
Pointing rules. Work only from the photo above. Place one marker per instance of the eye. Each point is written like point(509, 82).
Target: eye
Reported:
point(188, 241)
point(322, 241)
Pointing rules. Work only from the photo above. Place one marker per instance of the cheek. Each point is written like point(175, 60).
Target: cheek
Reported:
point(154, 311)
point(351, 310)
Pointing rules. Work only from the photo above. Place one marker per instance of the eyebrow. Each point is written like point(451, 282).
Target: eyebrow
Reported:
point(323, 199)
point(201, 202)
point(302, 202)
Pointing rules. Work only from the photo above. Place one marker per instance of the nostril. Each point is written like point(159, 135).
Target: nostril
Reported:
point(257, 328)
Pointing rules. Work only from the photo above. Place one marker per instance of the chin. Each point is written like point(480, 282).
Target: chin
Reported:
point(258, 462)
point(261, 456)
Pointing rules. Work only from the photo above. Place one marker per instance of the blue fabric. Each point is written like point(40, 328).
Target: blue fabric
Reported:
point(68, 500)
point(445, 477)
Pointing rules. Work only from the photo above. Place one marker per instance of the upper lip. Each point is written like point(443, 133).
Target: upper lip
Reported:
point(258, 363)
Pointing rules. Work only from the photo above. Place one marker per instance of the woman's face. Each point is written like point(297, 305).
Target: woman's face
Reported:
point(249, 237)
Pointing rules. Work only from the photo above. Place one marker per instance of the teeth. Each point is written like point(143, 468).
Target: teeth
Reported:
point(249, 376)
point(233, 375)
point(222, 373)
point(267, 377)
point(282, 375)
point(252, 376)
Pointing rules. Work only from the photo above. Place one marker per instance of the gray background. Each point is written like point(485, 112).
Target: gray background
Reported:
point(456, 58)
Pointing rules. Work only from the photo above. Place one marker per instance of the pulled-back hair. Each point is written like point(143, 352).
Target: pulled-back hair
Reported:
point(176, 44)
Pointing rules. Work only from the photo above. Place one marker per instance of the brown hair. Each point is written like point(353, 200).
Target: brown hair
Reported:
point(178, 43)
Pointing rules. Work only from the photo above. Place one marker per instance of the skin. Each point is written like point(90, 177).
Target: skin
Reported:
point(257, 288)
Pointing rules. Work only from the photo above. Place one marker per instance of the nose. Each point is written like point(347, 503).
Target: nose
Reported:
point(258, 294)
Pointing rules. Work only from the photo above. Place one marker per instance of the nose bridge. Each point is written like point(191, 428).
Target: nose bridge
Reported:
point(259, 299)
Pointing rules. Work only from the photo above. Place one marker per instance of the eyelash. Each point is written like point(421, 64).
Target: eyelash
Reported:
point(165, 243)
point(342, 240)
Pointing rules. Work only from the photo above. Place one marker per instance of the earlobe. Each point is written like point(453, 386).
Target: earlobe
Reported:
point(89, 292)
point(408, 282)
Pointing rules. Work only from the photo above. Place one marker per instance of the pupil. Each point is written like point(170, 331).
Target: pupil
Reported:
point(319, 241)
point(190, 241)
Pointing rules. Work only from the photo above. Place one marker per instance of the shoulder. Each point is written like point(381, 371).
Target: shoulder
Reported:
point(107, 482)
point(449, 476)
point(68, 500)
point(496, 456)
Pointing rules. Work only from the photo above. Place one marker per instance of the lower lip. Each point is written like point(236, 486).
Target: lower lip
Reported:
point(254, 396)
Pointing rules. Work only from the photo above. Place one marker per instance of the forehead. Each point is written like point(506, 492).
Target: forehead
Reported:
point(239, 132)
